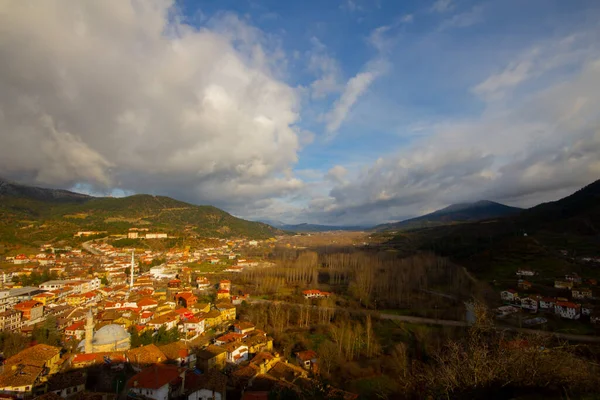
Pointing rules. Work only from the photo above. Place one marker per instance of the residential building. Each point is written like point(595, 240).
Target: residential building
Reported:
point(32, 310)
point(207, 386)
point(227, 310)
point(27, 369)
point(523, 284)
point(185, 299)
point(243, 327)
point(10, 320)
point(211, 357)
point(158, 382)
point(563, 284)
point(547, 303)
point(509, 296)
point(567, 309)
point(308, 360)
point(530, 304)
point(525, 272)
point(236, 352)
point(581, 293)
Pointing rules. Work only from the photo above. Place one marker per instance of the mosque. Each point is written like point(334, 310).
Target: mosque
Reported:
point(106, 339)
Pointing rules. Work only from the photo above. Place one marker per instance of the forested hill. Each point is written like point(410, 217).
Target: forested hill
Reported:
point(455, 213)
point(36, 214)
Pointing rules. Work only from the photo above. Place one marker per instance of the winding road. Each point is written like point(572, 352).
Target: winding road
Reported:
point(445, 322)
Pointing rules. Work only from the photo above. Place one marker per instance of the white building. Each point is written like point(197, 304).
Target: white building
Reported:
point(567, 309)
point(530, 304)
point(236, 352)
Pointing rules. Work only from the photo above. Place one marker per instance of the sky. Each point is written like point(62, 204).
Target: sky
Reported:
point(337, 112)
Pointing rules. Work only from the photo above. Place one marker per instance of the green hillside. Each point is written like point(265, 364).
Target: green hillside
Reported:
point(28, 216)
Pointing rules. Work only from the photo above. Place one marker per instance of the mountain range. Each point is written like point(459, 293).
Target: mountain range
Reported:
point(30, 213)
point(455, 213)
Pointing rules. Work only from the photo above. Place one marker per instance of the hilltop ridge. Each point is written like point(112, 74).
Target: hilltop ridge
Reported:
point(30, 213)
point(454, 213)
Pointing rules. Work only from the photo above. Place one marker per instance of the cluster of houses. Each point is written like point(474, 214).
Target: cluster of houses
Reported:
point(576, 300)
point(216, 355)
point(315, 294)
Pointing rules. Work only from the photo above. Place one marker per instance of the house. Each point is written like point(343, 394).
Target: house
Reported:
point(573, 278)
point(179, 353)
point(229, 338)
point(211, 318)
point(547, 303)
point(314, 293)
point(227, 310)
point(31, 309)
point(76, 330)
point(581, 293)
point(236, 352)
point(523, 284)
point(186, 299)
point(45, 298)
point(563, 284)
point(28, 368)
point(169, 321)
point(212, 357)
point(145, 317)
point(225, 284)
point(147, 303)
point(307, 359)
point(192, 326)
point(202, 282)
point(525, 272)
point(158, 382)
point(144, 356)
point(236, 300)
point(530, 304)
point(509, 296)
point(208, 386)
point(10, 320)
point(67, 384)
point(587, 309)
point(567, 309)
point(243, 327)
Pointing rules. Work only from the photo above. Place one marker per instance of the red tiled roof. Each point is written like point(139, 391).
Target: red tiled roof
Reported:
point(76, 326)
point(147, 302)
point(306, 355)
point(567, 304)
point(155, 377)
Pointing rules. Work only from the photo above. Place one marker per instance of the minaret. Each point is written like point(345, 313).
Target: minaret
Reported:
point(131, 277)
point(89, 332)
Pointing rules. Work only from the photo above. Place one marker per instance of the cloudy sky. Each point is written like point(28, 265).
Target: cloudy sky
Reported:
point(332, 112)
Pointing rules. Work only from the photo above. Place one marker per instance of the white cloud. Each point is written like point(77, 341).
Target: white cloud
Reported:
point(354, 88)
point(442, 6)
point(554, 54)
point(463, 20)
point(337, 174)
point(407, 18)
point(541, 145)
point(121, 94)
point(326, 69)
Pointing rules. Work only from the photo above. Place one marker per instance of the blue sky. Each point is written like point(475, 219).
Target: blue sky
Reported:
point(334, 112)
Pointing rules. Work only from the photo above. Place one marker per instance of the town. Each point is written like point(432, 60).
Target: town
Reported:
point(547, 301)
point(105, 321)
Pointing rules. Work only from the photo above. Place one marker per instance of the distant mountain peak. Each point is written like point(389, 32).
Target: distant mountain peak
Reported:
point(455, 213)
